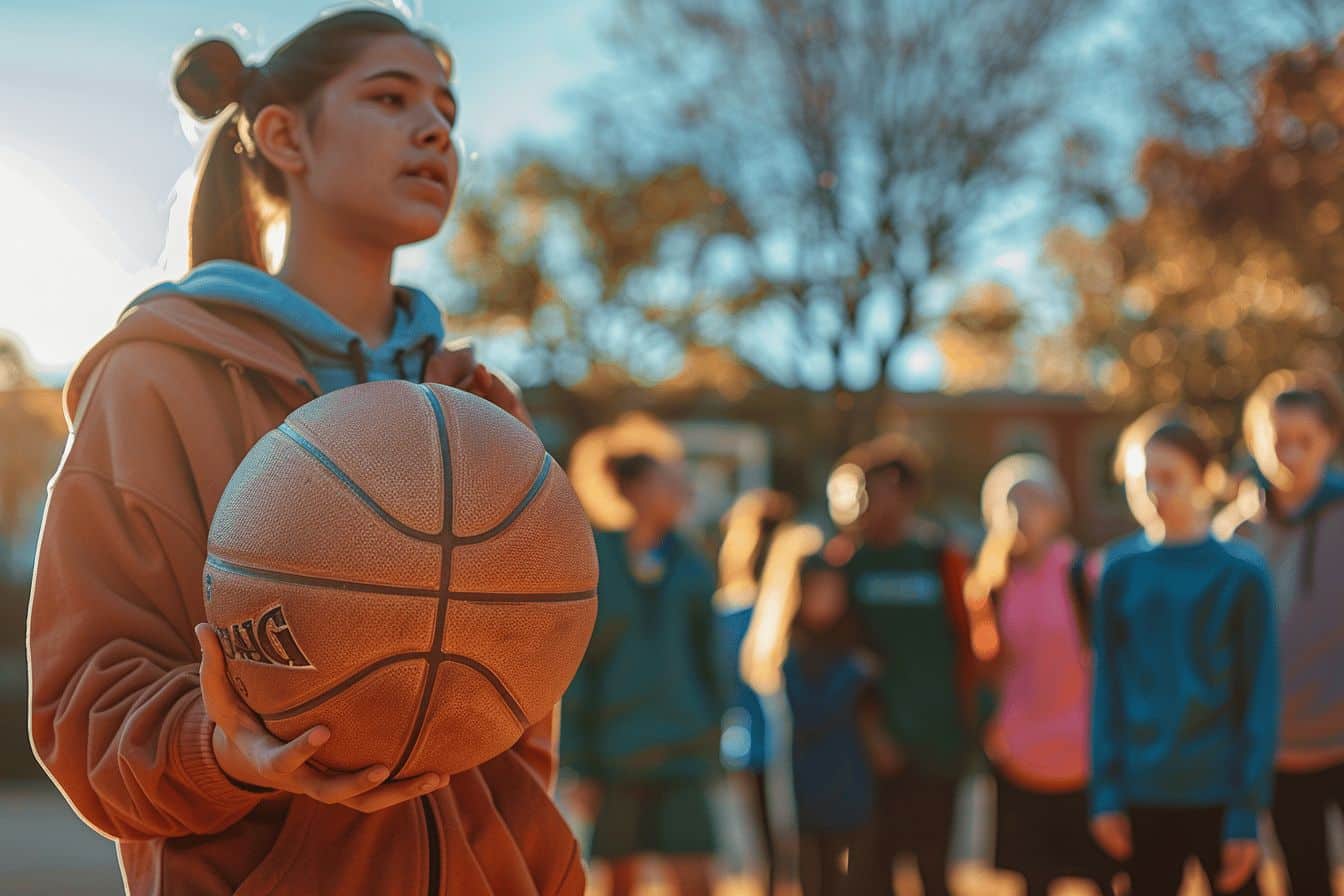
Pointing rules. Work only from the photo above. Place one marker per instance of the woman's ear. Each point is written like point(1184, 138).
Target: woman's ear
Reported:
point(277, 133)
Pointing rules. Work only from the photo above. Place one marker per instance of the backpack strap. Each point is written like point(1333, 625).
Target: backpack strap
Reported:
point(1081, 592)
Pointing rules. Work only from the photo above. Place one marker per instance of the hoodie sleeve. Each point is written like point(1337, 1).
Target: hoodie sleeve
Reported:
point(1258, 687)
point(116, 712)
point(1107, 795)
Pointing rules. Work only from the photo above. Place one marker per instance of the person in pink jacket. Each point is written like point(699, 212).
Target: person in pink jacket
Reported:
point(1035, 581)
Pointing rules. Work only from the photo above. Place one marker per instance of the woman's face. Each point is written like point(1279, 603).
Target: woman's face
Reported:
point(822, 598)
point(1039, 516)
point(891, 503)
point(662, 495)
point(1175, 484)
point(1302, 443)
point(380, 163)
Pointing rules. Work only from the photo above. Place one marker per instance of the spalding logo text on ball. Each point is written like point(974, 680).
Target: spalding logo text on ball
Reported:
point(269, 640)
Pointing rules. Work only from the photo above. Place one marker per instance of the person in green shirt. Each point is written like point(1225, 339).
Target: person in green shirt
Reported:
point(905, 582)
point(641, 720)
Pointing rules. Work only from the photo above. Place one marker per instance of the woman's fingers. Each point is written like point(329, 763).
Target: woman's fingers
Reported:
point(222, 703)
point(338, 788)
point(396, 792)
point(1113, 834)
point(1239, 860)
point(284, 759)
point(257, 756)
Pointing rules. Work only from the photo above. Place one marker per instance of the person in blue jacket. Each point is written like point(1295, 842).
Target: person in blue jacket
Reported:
point(1185, 704)
point(830, 684)
point(640, 721)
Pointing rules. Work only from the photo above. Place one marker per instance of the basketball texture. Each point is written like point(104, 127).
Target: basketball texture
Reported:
point(406, 565)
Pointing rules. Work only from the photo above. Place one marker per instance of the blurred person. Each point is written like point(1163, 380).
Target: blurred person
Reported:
point(641, 720)
point(905, 581)
point(1185, 699)
point(830, 683)
point(1295, 503)
point(1035, 581)
point(346, 132)
point(749, 527)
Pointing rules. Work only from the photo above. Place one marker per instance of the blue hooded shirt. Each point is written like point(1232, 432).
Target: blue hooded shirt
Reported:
point(1185, 710)
point(333, 353)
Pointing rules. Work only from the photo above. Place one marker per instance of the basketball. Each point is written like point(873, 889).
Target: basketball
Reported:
point(406, 565)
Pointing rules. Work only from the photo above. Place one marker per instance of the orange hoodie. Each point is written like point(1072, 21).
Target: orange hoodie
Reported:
point(161, 412)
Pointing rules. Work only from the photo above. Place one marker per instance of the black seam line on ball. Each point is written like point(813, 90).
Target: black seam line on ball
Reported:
point(316, 453)
point(342, 686)
point(286, 578)
point(445, 542)
point(345, 685)
point(508, 597)
point(503, 524)
point(486, 673)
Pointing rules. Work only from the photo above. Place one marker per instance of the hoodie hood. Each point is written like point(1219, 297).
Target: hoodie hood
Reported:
point(1330, 491)
point(335, 355)
point(242, 343)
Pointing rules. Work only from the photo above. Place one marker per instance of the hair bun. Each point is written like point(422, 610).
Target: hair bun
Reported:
point(210, 77)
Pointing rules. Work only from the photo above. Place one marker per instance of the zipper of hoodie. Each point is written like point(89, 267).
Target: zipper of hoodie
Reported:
point(432, 836)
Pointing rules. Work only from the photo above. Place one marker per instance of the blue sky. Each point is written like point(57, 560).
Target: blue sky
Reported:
point(91, 144)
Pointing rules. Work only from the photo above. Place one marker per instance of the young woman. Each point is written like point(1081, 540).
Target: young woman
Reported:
point(906, 586)
point(347, 131)
point(1293, 424)
point(829, 684)
point(749, 530)
point(1037, 580)
point(641, 719)
point(1185, 704)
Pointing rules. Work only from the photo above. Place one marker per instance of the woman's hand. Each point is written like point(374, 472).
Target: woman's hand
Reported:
point(586, 797)
point(251, 755)
point(1240, 858)
point(1112, 833)
point(456, 366)
point(886, 755)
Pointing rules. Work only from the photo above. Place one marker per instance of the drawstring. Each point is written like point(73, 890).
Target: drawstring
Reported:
point(427, 347)
point(361, 367)
point(357, 362)
point(250, 410)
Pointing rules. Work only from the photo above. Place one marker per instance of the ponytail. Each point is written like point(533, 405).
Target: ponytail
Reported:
point(225, 222)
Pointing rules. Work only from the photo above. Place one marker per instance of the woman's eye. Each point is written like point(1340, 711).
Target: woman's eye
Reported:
point(392, 100)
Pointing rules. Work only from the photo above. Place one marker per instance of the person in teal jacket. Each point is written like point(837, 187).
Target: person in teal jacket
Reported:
point(641, 720)
point(1185, 708)
point(906, 582)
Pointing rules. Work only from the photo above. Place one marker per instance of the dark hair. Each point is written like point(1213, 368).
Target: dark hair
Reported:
point(1314, 400)
point(815, 648)
point(238, 190)
point(629, 468)
point(893, 452)
point(1185, 438)
point(909, 477)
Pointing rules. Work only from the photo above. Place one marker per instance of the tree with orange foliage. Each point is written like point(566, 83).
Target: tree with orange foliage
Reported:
point(1236, 267)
